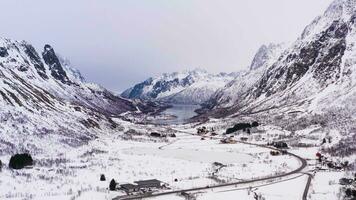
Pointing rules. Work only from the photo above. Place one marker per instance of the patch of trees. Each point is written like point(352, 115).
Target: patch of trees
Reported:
point(245, 127)
point(278, 145)
point(19, 161)
point(350, 192)
point(155, 134)
point(345, 147)
point(0, 165)
point(89, 123)
point(112, 185)
point(255, 124)
point(102, 177)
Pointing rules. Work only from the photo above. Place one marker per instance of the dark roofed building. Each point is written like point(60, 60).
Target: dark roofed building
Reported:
point(152, 183)
point(130, 187)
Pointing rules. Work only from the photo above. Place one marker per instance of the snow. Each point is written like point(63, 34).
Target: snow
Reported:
point(194, 155)
point(186, 157)
point(188, 87)
point(68, 131)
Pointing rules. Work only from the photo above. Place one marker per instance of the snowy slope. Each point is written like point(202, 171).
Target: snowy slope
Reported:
point(315, 74)
point(188, 87)
point(232, 92)
point(43, 98)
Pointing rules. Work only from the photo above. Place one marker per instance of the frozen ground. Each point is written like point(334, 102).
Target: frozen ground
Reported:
point(74, 173)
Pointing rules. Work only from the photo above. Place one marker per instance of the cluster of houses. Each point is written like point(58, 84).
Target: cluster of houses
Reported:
point(141, 186)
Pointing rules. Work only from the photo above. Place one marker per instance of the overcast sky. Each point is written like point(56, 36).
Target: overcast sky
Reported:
point(117, 43)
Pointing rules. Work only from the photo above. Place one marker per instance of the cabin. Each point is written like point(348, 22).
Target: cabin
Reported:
point(148, 184)
point(129, 188)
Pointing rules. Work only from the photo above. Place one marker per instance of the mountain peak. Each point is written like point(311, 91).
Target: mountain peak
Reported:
point(193, 86)
point(51, 59)
point(264, 54)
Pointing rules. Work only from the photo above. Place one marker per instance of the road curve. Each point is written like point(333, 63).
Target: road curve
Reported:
point(298, 170)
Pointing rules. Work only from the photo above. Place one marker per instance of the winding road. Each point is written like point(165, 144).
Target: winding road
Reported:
point(306, 189)
point(269, 178)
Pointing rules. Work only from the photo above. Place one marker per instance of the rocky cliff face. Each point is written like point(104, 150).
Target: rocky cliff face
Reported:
point(51, 59)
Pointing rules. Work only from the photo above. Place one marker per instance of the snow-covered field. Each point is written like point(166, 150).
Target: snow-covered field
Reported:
point(74, 173)
point(183, 162)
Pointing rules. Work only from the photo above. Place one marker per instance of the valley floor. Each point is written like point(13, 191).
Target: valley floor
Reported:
point(182, 162)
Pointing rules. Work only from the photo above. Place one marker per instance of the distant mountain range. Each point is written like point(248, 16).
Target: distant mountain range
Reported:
point(188, 87)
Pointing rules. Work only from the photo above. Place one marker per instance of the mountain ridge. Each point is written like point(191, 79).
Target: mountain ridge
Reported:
point(187, 87)
point(318, 65)
point(44, 98)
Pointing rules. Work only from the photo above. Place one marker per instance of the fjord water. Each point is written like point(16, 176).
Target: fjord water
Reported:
point(182, 113)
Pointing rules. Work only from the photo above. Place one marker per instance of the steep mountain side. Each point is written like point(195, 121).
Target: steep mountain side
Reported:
point(315, 74)
point(43, 97)
point(318, 67)
point(233, 91)
point(191, 87)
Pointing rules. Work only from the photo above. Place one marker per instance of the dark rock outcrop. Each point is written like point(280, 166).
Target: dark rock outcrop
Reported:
point(55, 66)
point(321, 56)
point(3, 52)
point(35, 60)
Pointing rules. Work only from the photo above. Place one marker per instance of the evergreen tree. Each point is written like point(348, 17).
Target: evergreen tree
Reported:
point(102, 177)
point(112, 185)
point(19, 161)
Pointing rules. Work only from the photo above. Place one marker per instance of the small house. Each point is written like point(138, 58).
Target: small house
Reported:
point(152, 183)
point(128, 188)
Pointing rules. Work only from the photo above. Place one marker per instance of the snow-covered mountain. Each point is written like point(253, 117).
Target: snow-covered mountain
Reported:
point(43, 97)
point(188, 87)
point(232, 91)
point(315, 74)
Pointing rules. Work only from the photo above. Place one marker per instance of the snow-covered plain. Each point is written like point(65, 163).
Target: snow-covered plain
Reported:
point(74, 173)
